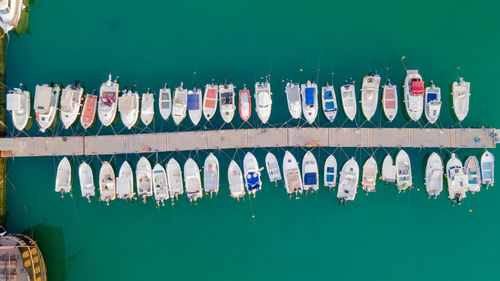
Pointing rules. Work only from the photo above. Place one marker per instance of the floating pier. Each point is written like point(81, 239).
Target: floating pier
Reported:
point(249, 138)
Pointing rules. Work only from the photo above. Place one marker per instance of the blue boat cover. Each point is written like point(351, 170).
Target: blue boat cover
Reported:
point(193, 102)
point(328, 95)
point(330, 106)
point(310, 96)
point(431, 97)
point(330, 170)
point(253, 181)
point(329, 177)
point(310, 178)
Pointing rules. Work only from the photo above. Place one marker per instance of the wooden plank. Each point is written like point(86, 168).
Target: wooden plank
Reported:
point(180, 141)
point(267, 137)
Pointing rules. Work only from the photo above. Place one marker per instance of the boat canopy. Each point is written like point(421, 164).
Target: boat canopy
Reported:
point(310, 96)
point(42, 99)
point(14, 102)
point(417, 87)
point(227, 98)
point(253, 180)
point(310, 178)
point(193, 102)
point(108, 98)
point(328, 95)
point(431, 97)
point(329, 106)
point(127, 103)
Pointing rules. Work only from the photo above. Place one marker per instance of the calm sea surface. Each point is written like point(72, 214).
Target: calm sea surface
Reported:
point(382, 236)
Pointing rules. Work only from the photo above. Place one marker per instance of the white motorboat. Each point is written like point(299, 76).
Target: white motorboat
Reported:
point(291, 173)
point(194, 100)
point(329, 101)
point(192, 180)
point(348, 92)
point(10, 13)
point(348, 182)
point(88, 112)
point(174, 179)
point(403, 168)
point(369, 178)
point(165, 102)
point(251, 169)
point(309, 92)
point(263, 100)
point(180, 104)
point(434, 175)
point(210, 100)
point(128, 106)
point(473, 172)
point(388, 169)
point(147, 108)
point(71, 98)
point(432, 103)
point(108, 101)
point(273, 168)
point(143, 178)
point(414, 94)
point(160, 185)
point(330, 172)
point(245, 104)
point(18, 103)
point(227, 106)
point(86, 177)
point(125, 182)
point(211, 175)
point(458, 183)
point(235, 178)
point(293, 99)
point(461, 94)
point(63, 177)
point(369, 95)
point(45, 105)
point(310, 172)
point(107, 184)
point(390, 101)
point(488, 168)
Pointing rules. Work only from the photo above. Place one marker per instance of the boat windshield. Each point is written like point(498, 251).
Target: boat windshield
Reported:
point(226, 98)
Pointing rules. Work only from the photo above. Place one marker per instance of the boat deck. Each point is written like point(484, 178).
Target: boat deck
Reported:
point(249, 138)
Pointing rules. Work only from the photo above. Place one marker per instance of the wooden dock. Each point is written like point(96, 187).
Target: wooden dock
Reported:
point(249, 138)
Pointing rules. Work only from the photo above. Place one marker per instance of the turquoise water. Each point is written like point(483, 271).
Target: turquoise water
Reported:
point(382, 236)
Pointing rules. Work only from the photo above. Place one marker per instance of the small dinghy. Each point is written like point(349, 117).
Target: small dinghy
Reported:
point(235, 178)
point(414, 94)
point(160, 185)
point(71, 98)
point(143, 177)
point(211, 175)
point(292, 91)
point(194, 105)
point(192, 180)
point(46, 99)
point(432, 103)
point(434, 175)
point(461, 93)
point(330, 172)
point(403, 166)
point(369, 178)
point(165, 102)
point(457, 180)
point(309, 93)
point(107, 184)
point(147, 108)
point(210, 100)
point(473, 172)
point(273, 168)
point(291, 173)
point(63, 177)
point(174, 176)
point(348, 182)
point(388, 169)
point(245, 104)
point(180, 105)
point(252, 174)
point(108, 101)
point(226, 101)
point(125, 182)
point(128, 106)
point(88, 112)
point(369, 95)
point(329, 101)
point(488, 168)
point(390, 101)
point(263, 100)
point(348, 92)
point(310, 172)
point(18, 103)
point(86, 177)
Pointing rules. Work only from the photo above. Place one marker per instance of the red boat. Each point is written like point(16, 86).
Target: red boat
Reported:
point(245, 104)
point(88, 112)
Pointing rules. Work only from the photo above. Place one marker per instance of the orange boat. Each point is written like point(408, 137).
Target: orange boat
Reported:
point(88, 113)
